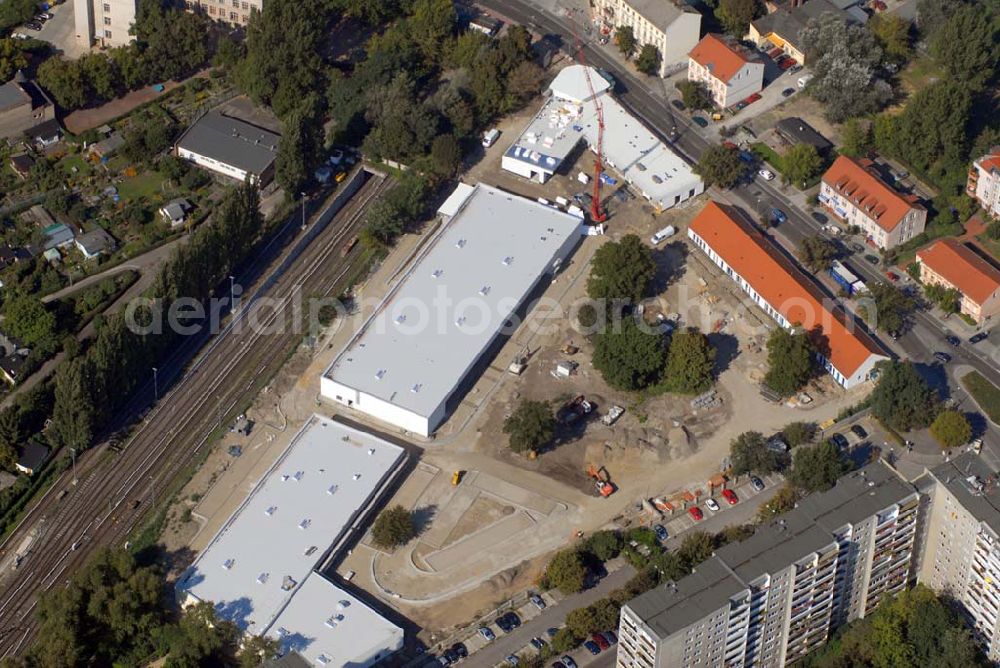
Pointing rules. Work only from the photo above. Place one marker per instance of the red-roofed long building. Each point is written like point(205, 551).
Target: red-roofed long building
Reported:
point(729, 71)
point(984, 182)
point(784, 291)
point(952, 264)
point(854, 193)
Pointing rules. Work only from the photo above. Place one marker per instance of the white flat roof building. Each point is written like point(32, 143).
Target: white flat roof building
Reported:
point(259, 569)
point(408, 363)
point(569, 115)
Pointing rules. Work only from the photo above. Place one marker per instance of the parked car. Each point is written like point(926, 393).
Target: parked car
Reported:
point(442, 660)
point(678, 105)
point(753, 98)
point(538, 643)
point(778, 216)
point(336, 157)
point(33, 25)
point(976, 338)
point(795, 68)
point(568, 661)
point(551, 631)
point(451, 655)
point(487, 634)
point(661, 532)
point(592, 647)
point(504, 624)
point(859, 431)
point(699, 121)
point(557, 664)
point(819, 217)
point(610, 637)
point(537, 601)
point(612, 415)
point(766, 174)
point(460, 650)
point(953, 340)
point(941, 357)
point(599, 639)
point(712, 505)
point(788, 92)
point(695, 512)
point(512, 660)
point(756, 483)
point(840, 441)
point(786, 64)
point(857, 248)
point(730, 496)
point(891, 276)
point(872, 259)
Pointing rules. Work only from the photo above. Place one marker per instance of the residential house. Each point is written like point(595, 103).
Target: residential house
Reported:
point(58, 235)
point(21, 165)
point(104, 149)
point(106, 23)
point(487, 25)
point(233, 12)
point(46, 133)
point(231, 147)
point(796, 131)
point(727, 69)
point(854, 192)
point(953, 264)
point(94, 243)
point(11, 365)
point(784, 292)
point(176, 212)
point(672, 26)
point(23, 105)
point(783, 27)
point(32, 457)
point(984, 182)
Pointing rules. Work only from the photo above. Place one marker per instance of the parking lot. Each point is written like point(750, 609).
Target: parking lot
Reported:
point(59, 31)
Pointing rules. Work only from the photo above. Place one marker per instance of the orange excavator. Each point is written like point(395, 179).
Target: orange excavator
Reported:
point(602, 480)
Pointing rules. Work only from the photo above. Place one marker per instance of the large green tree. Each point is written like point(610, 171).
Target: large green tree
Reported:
point(951, 429)
point(801, 163)
point(966, 45)
point(736, 15)
point(748, 452)
point(625, 39)
point(893, 34)
point(648, 60)
point(629, 356)
point(694, 94)
point(815, 468)
point(817, 253)
point(720, 165)
point(690, 360)
point(530, 426)
point(566, 571)
point(28, 320)
point(791, 358)
point(393, 527)
point(621, 270)
point(893, 307)
point(901, 398)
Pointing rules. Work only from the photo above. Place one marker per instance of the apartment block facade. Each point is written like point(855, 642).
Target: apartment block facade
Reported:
point(984, 182)
point(771, 599)
point(672, 26)
point(233, 12)
point(953, 264)
point(104, 22)
point(853, 191)
point(728, 71)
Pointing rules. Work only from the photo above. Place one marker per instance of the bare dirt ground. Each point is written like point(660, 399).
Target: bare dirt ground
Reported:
point(801, 106)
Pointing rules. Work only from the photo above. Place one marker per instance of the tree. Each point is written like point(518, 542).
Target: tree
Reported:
point(694, 94)
point(393, 527)
point(893, 33)
point(797, 433)
point(648, 61)
point(621, 270)
point(966, 45)
point(721, 166)
point(749, 452)
point(816, 468)
point(901, 398)
point(565, 640)
point(791, 359)
point(258, 650)
point(201, 638)
point(856, 138)
point(736, 15)
point(696, 548)
point(893, 307)
point(951, 429)
point(628, 356)
point(530, 426)
point(430, 24)
point(948, 300)
point(801, 163)
point(12, 58)
point(783, 501)
point(690, 361)
point(599, 616)
point(64, 79)
point(846, 63)
point(604, 545)
point(446, 154)
point(566, 572)
point(298, 150)
point(625, 39)
point(28, 320)
point(817, 253)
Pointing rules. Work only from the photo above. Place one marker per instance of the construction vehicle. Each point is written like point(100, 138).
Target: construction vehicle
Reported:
point(602, 480)
point(574, 410)
point(570, 349)
point(597, 212)
point(519, 363)
point(456, 478)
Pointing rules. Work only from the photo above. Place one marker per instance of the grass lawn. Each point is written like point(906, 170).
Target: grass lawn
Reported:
point(986, 394)
point(144, 185)
point(920, 72)
point(767, 154)
point(83, 167)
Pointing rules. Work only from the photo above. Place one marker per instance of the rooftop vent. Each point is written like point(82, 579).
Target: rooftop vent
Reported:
point(371, 451)
point(400, 319)
point(333, 620)
point(507, 260)
point(228, 564)
point(437, 273)
point(288, 583)
point(356, 476)
point(343, 605)
point(304, 524)
point(460, 321)
point(270, 510)
point(545, 238)
point(485, 290)
point(298, 475)
point(414, 389)
point(262, 578)
point(460, 243)
point(331, 490)
point(323, 659)
point(310, 550)
point(380, 374)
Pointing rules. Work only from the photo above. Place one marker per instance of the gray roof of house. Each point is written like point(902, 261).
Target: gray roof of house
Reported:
point(232, 142)
point(974, 484)
point(95, 241)
point(57, 235)
point(12, 95)
point(788, 22)
point(33, 455)
point(773, 547)
point(661, 13)
point(800, 132)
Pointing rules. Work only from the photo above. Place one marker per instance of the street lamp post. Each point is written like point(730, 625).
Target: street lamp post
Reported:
point(72, 452)
point(232, 293)
point(156, 384)
point(303, 210)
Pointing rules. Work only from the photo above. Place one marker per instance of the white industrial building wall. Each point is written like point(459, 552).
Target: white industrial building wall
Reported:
point(522, 168)
point(378, 408)
point(214, 165)
point(682, 35)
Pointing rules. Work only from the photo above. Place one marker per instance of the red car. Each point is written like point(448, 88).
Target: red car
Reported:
point(601, 641)
point(786, 64)
point(730, 496)
point(753, 98)
point(776, 52)
point(696, 513)
point(891, 276)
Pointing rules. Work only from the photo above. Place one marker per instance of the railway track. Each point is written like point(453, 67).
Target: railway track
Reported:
point(116, 490)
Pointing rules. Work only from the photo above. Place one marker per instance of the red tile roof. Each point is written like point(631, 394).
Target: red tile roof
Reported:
point(720, 57)
point(958, 264)
point(856, 182)
point(990, 161)
point(784, 285)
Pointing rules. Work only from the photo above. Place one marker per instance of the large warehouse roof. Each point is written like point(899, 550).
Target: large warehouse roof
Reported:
point(231, 141)
point(636, 153)
point(427, 333)
point(257, 563)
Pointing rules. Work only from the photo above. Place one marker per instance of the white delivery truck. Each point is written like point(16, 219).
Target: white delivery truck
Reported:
point(804, 79)
point(665, 233)
point(490, 137)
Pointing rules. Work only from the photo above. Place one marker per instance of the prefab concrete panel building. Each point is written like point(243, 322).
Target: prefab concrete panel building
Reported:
point(414, 358)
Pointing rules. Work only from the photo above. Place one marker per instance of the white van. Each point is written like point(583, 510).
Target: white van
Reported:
point(804, 79)
point(665, 233)
point(490, 137)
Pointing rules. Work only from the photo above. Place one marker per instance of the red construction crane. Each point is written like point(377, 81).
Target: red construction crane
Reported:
point(597, 212)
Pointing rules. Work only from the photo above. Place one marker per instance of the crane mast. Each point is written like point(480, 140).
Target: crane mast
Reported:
point(597, 212)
